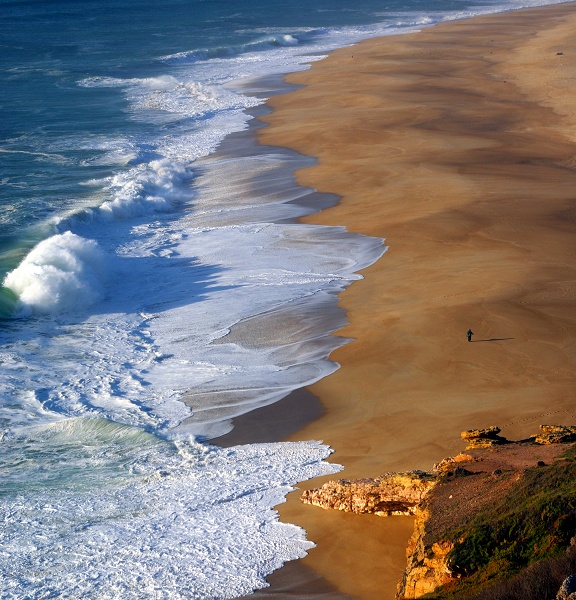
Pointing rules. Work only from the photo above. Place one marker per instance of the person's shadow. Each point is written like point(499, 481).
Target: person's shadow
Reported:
point(493, 340)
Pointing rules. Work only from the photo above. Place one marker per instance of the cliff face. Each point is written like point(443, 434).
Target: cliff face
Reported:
point(467, 486)
point(449, 499)
point(427, 567)
point(398, 494)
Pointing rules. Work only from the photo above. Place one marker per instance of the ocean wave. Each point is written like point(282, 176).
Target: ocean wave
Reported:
point(174, 98)
point(144, 189)
point(140, 517)
point(267, 42)
point(62, 273)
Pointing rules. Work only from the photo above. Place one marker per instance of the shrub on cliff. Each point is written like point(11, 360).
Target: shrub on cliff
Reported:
point(533, 522)
point(540, 581)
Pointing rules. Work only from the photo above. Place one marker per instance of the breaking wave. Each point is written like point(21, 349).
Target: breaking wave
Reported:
point(62, 273)
point(267, 42)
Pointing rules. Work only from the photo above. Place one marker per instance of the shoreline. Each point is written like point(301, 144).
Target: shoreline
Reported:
point(273, 422)
point(446, 143)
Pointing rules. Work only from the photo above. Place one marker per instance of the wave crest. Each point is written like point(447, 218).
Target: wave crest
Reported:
point(62, 273)
point(267, 42)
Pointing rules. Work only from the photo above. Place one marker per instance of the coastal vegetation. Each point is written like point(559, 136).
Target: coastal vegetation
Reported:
point(497, 522)
point(520, 545)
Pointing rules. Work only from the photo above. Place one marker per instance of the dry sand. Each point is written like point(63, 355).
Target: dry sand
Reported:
point(458, 145)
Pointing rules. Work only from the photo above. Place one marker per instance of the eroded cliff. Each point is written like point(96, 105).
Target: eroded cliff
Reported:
point(449, 547)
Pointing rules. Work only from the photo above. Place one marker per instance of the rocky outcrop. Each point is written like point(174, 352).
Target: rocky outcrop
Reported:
point(427, 567)
point(450, 465)
point(483, 438)
point(556, 434)
point(551, 434)
point(427, 563)
point(466, 482)
point(449, 495)
point(390, 494)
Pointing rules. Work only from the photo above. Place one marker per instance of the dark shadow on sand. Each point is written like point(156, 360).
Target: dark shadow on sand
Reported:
point(492, 340)
point(274, 422)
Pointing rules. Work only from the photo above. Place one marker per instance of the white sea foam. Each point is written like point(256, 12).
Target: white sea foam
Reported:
point(157, 351)
point(106, 150)
point(152, 343)
point(147, 188)
point(137, 517)
point(64, 272)
point(171, 99)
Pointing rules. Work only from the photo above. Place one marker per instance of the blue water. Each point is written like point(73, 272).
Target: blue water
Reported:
point(156, 284)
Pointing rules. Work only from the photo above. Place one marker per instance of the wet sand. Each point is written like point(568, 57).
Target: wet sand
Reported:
point(274, 422)
point(458, 145)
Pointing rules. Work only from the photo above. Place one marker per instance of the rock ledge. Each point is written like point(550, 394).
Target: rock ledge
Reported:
point(390, 494)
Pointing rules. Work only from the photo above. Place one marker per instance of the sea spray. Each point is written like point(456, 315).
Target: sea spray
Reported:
point(63, 273)
point(166, 99)
point(147, 188)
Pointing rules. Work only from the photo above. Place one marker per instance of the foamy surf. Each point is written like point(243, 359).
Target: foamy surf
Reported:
point(130, 515)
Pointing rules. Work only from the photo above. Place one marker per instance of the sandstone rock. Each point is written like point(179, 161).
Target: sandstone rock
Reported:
point(449, 464)
point(427, 568)
point(391, 494)
point(483, 438)
point(408, 494)
point(551, 434)
point(556, 434)
point(490, 432)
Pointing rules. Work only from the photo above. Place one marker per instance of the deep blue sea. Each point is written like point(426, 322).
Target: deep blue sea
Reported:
point(156, 284)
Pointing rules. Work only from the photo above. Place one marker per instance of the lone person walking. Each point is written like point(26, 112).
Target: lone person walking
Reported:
point(469, 335)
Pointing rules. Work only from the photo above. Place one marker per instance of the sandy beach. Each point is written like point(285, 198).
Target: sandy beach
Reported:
point(456, 144)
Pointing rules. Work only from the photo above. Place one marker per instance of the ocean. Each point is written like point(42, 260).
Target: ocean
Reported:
point(156, 283)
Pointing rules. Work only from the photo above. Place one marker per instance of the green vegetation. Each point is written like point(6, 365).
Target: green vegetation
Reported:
point(534, 522)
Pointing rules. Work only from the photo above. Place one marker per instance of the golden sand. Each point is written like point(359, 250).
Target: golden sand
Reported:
point(458, 145)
